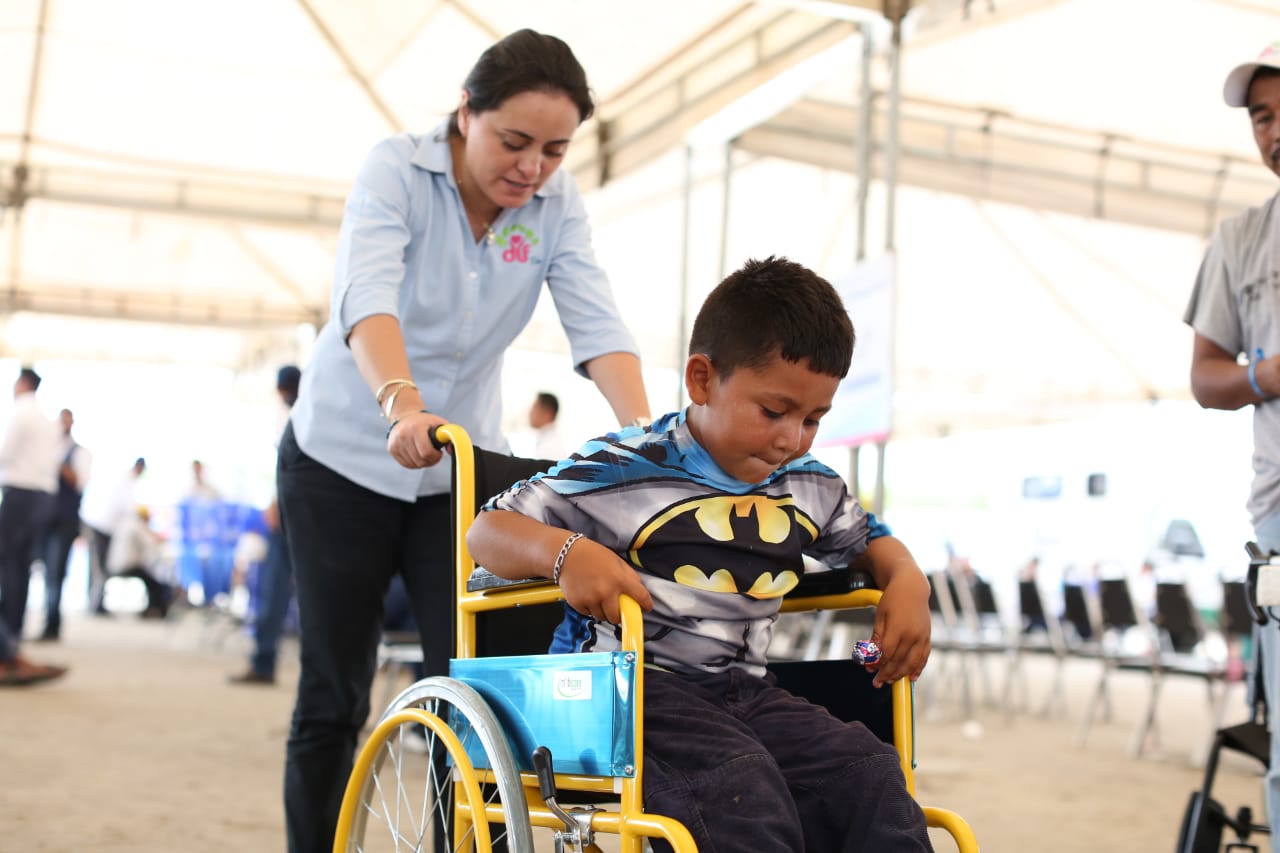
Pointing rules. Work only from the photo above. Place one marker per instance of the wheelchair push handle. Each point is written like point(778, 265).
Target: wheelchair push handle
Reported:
point(1257, 560)
point(436, 441)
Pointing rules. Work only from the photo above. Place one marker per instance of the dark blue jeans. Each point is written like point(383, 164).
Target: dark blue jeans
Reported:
point(24, 516)
point(275, 591)
point(346, 543)
point(745, 765)
point(58, 541)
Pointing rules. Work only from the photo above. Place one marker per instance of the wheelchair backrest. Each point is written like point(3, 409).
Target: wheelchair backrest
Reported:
point(519, 630)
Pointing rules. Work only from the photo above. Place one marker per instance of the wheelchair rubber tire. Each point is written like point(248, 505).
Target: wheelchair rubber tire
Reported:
point(1212, 821)
point(398, 798)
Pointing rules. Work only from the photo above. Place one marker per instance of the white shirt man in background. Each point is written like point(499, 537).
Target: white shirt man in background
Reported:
point(29, 457)
point(549, 444)
point(103, 513)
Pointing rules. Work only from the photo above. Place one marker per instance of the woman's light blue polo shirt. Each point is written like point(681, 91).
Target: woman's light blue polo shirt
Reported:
point(405, 249)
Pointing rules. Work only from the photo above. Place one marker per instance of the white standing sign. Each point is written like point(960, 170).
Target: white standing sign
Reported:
point(862, 412)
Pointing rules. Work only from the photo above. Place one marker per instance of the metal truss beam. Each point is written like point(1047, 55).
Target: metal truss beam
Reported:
point(983, 154)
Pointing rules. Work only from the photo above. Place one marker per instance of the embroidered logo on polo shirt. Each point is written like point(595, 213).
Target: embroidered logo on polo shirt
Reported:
point(517, 242)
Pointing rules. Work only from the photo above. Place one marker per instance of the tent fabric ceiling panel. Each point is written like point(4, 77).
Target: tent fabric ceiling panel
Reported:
point(655, 115)
point(187, 165)
point(319, 206)
point(1146, 69)
point(236, 86)
point(973, 152)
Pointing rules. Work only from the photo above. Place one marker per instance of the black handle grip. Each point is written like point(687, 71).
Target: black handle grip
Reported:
point(542, 766)
point(1256, 560)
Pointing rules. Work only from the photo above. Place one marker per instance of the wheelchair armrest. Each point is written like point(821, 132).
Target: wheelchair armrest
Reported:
point(481, 579)
point(833, 582)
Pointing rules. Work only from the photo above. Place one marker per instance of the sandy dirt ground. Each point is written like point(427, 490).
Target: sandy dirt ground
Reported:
point(144, 747)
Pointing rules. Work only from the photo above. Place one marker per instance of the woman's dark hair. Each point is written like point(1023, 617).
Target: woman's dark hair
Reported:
point(771, 308)
point(525, 61)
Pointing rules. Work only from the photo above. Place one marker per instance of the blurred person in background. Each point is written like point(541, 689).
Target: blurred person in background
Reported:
point(136, 552)
point(16, 670)
point(275, 576)
point(103, 511)
point(200, 489)
point(64, 528)
point(29, 457)
point(549, 444)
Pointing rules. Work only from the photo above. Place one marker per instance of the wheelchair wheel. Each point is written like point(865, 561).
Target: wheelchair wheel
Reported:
point(1207, 836)
point(413, 785)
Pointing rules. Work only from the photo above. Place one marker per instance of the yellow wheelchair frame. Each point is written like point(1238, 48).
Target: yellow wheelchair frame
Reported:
point(474, 808)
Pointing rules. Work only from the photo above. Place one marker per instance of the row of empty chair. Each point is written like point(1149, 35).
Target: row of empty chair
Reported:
point(1101, 624)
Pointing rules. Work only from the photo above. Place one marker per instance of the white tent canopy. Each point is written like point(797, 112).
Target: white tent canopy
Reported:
point(172, 174)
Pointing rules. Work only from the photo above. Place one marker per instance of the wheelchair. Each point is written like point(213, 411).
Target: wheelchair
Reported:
point(485, 778)
point(1205, 820)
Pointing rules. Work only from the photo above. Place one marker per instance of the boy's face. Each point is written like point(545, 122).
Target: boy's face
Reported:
point(756, 420)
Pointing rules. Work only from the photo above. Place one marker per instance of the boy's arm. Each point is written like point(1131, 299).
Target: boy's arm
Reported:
point(515, 546)
point(903, 622)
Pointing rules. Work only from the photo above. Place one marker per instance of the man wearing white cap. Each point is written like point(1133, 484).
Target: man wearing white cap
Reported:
point(1235, 310)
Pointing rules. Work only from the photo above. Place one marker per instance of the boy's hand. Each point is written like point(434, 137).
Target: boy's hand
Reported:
point(593, 577)
point(902, 629)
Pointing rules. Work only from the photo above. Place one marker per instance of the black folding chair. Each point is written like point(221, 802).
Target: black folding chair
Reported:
point(1119, 617)
point(1038, 634)
point(1181, 652)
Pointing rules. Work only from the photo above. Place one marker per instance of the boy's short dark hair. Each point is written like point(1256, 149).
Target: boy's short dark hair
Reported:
point(774, 306)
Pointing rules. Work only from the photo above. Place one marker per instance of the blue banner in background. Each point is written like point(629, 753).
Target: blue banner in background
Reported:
point(208, 532)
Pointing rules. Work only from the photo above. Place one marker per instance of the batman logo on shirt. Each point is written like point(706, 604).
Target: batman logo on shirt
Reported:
point(747, 544)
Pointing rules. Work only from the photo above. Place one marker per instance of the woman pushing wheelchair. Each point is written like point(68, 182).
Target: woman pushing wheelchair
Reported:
point(446, 241)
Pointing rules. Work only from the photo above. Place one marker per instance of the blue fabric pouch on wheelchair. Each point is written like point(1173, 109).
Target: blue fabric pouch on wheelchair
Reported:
point(579, 706)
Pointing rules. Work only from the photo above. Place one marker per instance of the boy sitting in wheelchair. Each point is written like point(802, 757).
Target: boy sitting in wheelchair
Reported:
point(703, 518)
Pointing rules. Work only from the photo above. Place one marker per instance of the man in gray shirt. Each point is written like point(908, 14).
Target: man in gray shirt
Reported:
point(1235, 310)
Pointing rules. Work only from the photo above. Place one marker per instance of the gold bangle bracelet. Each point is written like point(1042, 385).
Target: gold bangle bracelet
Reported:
point(389, 384)
point(391, 401)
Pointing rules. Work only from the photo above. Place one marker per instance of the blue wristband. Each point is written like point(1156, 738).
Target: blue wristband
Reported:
point(1253, 373)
